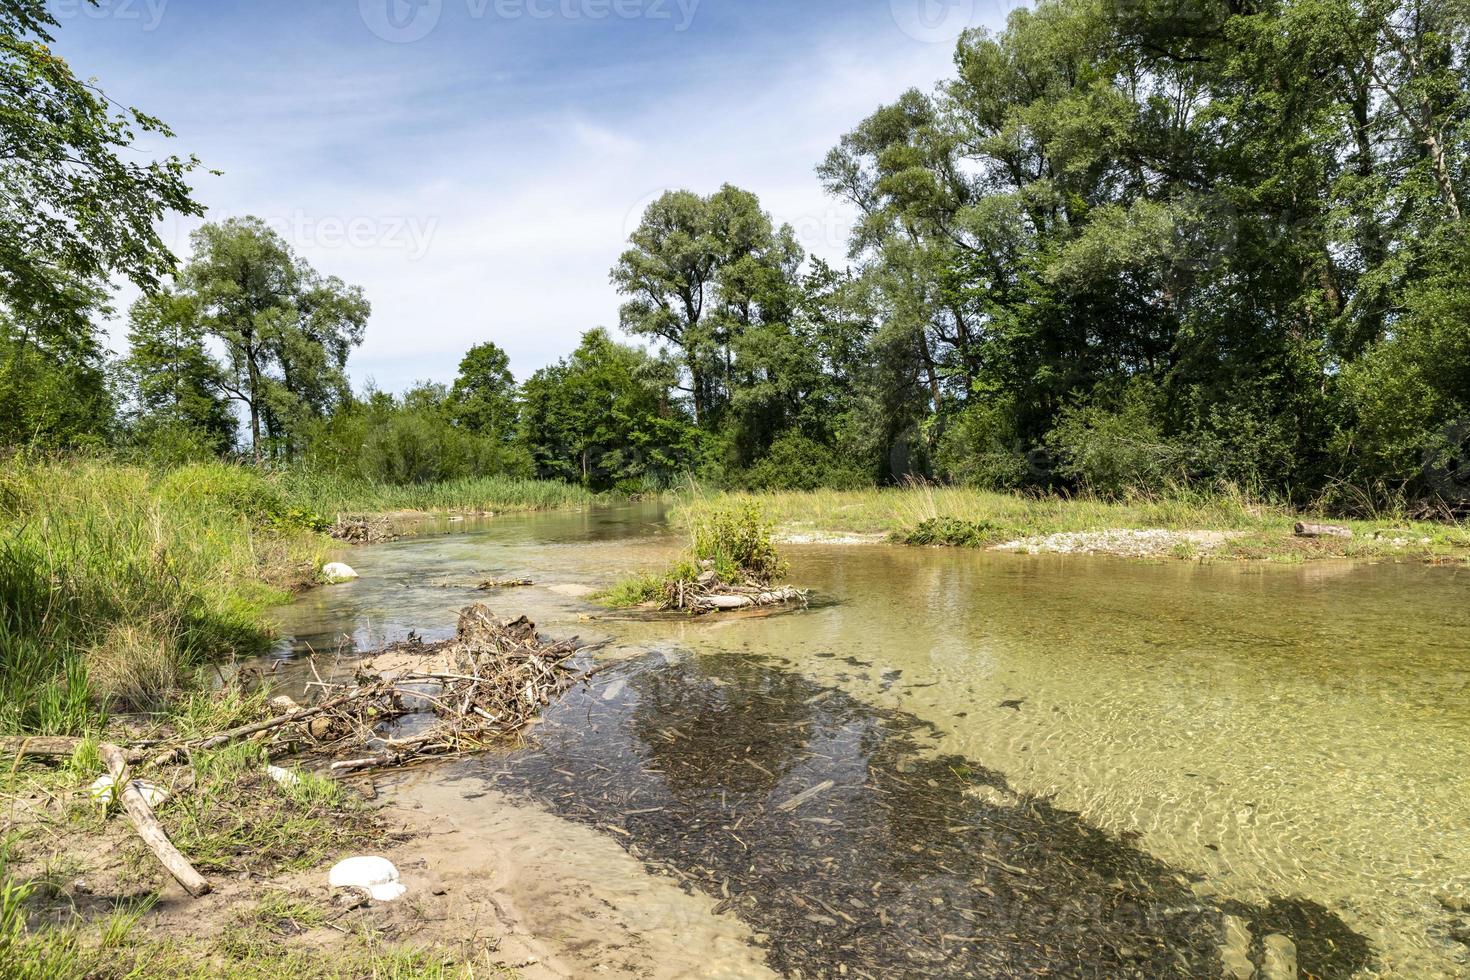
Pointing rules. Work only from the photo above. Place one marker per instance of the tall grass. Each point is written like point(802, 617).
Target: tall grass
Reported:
point(1258, 528)
point(897, 510)
point(116, 580)
point(333, 494)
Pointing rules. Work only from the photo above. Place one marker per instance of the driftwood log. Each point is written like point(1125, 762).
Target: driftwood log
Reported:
point(50, 747)
point(147, 824)
point(1322, 531)
point(747, 600)
point(136, 807)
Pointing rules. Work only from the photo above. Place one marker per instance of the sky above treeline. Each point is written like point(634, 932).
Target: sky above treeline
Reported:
point(477, 165)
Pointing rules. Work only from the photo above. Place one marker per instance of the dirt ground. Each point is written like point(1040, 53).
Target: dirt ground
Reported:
point(489, 881)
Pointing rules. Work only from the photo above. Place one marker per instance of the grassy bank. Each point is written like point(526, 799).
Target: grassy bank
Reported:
point(333, 495)
point(1226, 525)
point(118, 585)
point(116, 581)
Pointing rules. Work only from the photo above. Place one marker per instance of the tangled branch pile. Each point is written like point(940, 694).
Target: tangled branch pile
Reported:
point(486, 684)
point(364, 530)
point(708, 593)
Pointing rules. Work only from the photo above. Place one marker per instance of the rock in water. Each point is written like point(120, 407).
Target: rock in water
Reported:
point(1235, 952)
point(374, 875)
point(1280, 963)
point(335, 573)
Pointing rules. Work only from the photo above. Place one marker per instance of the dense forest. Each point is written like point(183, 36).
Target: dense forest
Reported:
point(1127, 246)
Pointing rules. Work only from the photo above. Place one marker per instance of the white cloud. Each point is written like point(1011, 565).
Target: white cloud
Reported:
point(521, 218)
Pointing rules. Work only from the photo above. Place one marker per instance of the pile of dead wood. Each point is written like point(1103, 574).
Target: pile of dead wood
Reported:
point(708, 593)
point(363, 530)
point(486, 685)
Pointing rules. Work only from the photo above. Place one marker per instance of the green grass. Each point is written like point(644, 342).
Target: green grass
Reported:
point(733, 542)
point(635, 591)
point(333, 495)
point(968, 517)
point(116, 581)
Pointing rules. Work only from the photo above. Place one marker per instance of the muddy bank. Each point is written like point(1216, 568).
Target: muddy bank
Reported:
point(850, 847)
point(565, 900)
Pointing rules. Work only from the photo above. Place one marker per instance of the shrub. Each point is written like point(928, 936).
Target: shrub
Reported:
point(1115, 452)
point(795, 462)
point(737, 542)
point(983, 447)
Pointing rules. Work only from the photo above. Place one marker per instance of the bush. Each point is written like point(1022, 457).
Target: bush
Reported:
point(795, 462)
point(1116, 452)
point(737, 542)
point(983, 447)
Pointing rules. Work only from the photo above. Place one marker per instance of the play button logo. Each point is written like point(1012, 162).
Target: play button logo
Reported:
point(401, 21)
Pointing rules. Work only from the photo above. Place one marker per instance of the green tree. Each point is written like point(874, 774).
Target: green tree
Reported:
point(605, 417)
point(287, 331)
point(699, 272)
point(484, 394)
point(77, 207)
point(175, 382)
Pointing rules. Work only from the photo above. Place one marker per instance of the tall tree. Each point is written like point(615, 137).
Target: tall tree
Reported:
point(699, 271)
point(484, 393)
point(604, 417)
point(77, 207)
point(287, 331)
point(177, 386)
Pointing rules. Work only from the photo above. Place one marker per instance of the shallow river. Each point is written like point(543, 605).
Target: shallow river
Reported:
point(1017, 762)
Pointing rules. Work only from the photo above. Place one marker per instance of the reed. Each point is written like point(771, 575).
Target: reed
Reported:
point(333, 495)
point(116, 581)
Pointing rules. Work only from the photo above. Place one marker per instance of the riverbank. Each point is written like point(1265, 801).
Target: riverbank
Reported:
point(123, 587)
point(1219, 526)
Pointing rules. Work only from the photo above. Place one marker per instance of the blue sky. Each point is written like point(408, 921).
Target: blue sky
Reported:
point(476, 165)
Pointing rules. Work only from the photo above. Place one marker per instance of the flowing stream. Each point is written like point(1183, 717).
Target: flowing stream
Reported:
point(957, 763)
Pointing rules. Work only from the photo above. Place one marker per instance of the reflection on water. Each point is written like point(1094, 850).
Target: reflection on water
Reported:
point(1297, 732)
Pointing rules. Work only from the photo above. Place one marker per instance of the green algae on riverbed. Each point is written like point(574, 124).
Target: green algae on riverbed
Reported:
point(854, 847)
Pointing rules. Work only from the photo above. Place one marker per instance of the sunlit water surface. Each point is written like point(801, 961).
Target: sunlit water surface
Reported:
point(1263, 733)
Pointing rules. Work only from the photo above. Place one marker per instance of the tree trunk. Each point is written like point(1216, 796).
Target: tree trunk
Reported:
point(696, 387)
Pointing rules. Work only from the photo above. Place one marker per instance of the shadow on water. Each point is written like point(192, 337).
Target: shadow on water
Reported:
point(850, 845)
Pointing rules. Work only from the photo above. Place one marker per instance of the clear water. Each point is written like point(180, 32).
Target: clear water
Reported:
point(1267, 734)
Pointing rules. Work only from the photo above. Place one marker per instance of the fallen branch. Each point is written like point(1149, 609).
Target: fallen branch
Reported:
point(147, 825)
point(50, 747)
point(224, 738)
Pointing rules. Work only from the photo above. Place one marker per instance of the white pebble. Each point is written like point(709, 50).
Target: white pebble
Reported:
point(374, 875)
point(335, 573)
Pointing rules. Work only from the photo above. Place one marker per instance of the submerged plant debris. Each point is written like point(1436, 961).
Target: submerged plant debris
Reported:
point(851, 850)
